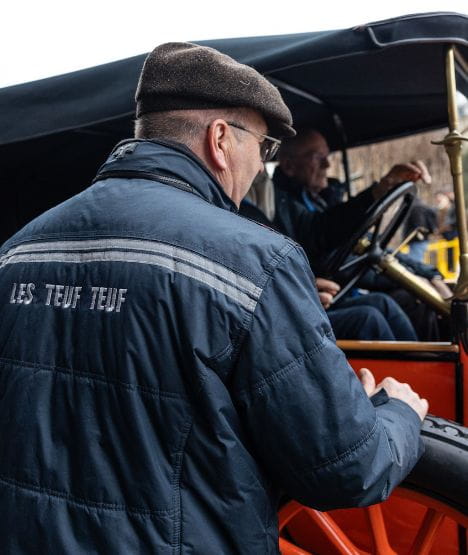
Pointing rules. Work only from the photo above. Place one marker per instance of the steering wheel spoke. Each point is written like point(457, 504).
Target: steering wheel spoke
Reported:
point(380, 237)
point(396, 220)
point(350, 284)
point(376, 232)
point(353, 262)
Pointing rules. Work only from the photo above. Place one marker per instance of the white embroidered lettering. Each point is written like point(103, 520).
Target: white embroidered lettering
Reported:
point(58, 295)
point(101, 298)
point(22, 293)
point(110, 303)
point(121, 299)
point(63, 296)
point(76, 296)
point(50, 288)
point(29, 295)
point(93, 299)
point(67, 296)
point(12, 296)
point(108, 299)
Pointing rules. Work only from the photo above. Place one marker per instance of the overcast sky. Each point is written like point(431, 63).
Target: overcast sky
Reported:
point(40, 38)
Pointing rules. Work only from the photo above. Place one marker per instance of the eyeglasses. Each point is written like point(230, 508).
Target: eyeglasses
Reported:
point(268, 147)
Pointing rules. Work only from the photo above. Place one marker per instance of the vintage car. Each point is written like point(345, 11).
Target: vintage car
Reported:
point(366, 84)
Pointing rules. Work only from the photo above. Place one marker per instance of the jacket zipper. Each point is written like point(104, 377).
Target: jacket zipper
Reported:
point(179, 184)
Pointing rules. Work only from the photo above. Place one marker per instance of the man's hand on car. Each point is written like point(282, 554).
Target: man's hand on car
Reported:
point(411, 171)
point(394, 389)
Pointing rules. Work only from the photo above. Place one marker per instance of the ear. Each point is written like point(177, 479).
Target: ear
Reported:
point(219, 144)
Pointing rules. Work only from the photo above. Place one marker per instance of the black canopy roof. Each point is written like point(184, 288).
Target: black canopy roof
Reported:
point(360, 85)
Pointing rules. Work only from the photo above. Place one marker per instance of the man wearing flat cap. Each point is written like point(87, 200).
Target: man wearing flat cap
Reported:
point(170, 368)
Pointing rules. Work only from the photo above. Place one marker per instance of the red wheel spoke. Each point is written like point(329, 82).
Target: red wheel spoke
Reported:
point(379, 532)
point(431, 503)
point(427, 532)
point(336, 538)
point(288, 512)
point(431, 522)
point(335, 534)
point(288, 548)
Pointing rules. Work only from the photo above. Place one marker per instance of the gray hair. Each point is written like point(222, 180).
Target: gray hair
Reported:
point(173, 126)
point(183, 126)
point(289, 146)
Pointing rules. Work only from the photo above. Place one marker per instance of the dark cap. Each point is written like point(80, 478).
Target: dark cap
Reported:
point(185, 76)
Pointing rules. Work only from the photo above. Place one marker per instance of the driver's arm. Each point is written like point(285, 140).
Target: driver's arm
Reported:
point(314, 429)
point(411, 171)
point(319, 233)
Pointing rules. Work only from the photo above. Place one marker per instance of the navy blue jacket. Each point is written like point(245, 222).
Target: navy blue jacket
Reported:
point(167, 369)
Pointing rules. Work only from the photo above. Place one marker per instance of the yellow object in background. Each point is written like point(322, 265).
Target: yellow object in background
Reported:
point(444, 255)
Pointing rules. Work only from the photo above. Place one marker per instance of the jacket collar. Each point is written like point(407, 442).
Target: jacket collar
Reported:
point(287, 184)
point(169, 159)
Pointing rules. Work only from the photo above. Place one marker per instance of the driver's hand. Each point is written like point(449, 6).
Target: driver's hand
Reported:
point(327, 290)
point(412, 171)
point(394, 389)
point(325, 299)
point(327, 285)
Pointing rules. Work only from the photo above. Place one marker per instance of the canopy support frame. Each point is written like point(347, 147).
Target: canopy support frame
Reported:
point(453, 147)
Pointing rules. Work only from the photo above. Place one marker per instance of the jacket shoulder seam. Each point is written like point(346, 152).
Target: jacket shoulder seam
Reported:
point(246, 321)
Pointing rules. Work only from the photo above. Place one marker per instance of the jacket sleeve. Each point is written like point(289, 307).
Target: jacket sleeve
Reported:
point(320, 232)
point(380, 282)
point(317, 433)
point(419, 268)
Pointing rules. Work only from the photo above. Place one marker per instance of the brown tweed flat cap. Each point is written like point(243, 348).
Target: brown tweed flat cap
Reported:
point(185, 76)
